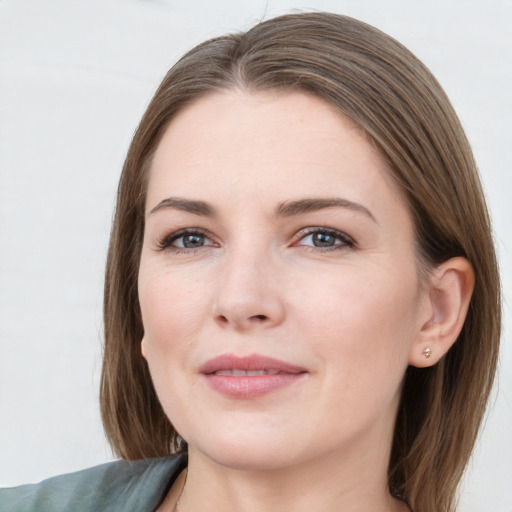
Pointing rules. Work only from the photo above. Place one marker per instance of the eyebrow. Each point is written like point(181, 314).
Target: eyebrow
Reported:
point(285, 209)
point(186, 205)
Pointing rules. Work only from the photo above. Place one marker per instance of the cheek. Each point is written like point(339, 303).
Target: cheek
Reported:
point(358, 300)
point(173, 309)
point(172, 314)
point(363, 328)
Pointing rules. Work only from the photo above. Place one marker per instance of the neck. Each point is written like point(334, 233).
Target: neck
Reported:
point(322, 485)
point(350, 476)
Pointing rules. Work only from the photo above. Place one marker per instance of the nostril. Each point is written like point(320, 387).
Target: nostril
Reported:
point(260, 317)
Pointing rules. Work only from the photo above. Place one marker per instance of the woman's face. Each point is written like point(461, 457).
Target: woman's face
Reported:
point(278, 282)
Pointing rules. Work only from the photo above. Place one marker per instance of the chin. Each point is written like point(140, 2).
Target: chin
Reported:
point(247, 454)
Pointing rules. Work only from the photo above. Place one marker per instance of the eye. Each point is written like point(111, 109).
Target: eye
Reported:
point(324, 238)
point(185, 239)
point(190, 241)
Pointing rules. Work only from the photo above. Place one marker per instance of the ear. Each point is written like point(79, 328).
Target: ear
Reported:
point(449, 292)
point(143, 347)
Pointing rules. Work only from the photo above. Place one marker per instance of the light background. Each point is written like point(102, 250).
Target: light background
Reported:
point(75, 77)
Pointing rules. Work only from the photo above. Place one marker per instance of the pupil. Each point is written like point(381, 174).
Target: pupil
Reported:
point(191, 241)
point(323, 240)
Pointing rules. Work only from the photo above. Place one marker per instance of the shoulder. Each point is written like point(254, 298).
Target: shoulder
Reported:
point(121, 485)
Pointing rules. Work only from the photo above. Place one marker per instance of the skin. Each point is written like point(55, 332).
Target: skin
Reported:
point(353, 315)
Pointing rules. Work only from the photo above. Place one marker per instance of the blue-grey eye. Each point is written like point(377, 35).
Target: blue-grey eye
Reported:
point(185, 239)
point(323, 239)
point(190, 241)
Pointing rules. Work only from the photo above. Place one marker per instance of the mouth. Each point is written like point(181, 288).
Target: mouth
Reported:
point(250, 376)
point(246, 373)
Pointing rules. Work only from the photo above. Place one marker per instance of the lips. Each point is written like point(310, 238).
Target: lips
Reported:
point(249, 377)
point(242, 373)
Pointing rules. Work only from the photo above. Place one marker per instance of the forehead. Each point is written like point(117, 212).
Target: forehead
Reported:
point(238, 143)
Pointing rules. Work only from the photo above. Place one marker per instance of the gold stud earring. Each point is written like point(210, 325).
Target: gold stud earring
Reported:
point(427, 352)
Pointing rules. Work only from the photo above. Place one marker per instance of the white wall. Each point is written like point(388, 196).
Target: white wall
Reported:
point(75, 77)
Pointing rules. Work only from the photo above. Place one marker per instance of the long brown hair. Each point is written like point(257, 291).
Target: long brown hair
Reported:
point(388, 92)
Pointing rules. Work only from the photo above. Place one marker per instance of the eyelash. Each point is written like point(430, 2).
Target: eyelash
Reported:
point(166, 242)
point(346, 241)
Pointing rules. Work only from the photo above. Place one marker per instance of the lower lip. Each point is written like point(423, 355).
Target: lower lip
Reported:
point(245, 387)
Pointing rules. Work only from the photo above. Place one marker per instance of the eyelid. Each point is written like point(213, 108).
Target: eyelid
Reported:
point(165, 243)
point(347, 241)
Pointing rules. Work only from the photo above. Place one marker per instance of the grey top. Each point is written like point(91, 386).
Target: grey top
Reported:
point(138, 486)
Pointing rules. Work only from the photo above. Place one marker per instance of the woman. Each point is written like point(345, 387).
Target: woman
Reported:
point(302, 299)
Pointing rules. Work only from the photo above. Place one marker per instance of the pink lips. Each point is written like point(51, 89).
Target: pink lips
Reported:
point(250, 376)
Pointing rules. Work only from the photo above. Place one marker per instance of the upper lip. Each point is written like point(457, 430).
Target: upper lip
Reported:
point(253, 362)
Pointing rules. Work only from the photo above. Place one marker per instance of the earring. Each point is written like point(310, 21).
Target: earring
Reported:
point(427, 352)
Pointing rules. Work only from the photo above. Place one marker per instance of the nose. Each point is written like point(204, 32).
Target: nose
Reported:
point(248, 295)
